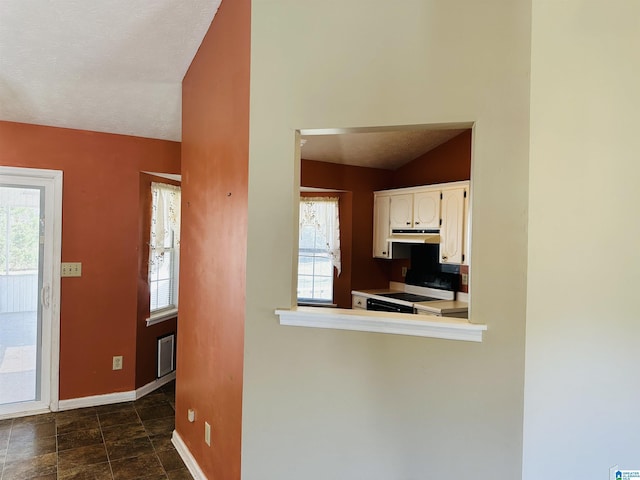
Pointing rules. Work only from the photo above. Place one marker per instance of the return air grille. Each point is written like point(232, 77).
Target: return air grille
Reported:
point(166, 354)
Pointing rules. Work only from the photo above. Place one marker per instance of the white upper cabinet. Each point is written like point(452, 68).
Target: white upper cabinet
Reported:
point(452, 228)
point(426, 209)
point(381, 230)
point(401, 211)
point(467, 230)
point(415, 210)
point(430, 207)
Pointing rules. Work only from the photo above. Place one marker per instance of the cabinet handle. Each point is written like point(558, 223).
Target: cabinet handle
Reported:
point(417, 223)
point(384, 253)
point(444, 257)
point(408, 223)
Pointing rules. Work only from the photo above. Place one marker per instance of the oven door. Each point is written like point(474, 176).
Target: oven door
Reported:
point(381, 306)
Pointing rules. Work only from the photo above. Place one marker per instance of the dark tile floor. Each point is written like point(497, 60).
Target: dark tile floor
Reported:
point(124, 441)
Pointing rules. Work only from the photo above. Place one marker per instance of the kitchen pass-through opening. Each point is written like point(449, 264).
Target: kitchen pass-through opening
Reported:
point(352, 163)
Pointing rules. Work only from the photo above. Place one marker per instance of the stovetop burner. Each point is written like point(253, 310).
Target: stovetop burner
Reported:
point(409, 297)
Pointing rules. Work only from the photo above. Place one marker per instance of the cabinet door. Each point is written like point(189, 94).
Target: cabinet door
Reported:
point(452, 228)
point(381, 226)
point(401, 211)
point(358, 302)
point(426, 209)
point(467, 231)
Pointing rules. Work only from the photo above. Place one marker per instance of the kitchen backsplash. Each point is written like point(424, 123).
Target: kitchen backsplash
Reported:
point(397, 267)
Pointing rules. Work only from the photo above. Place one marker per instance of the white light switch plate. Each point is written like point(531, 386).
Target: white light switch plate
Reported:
point(71, 269)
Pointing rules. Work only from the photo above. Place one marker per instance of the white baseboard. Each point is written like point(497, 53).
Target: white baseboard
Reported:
point(18, 414)
point(187, 458)
point(109, 398)
point(95, 400)
point(151, 386)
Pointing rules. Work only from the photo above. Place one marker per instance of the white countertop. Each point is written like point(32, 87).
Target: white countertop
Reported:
point(443, 306)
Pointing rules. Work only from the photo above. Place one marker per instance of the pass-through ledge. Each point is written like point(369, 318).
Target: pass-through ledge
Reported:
point(382, 322)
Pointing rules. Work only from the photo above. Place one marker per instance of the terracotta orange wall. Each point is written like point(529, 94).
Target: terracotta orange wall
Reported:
point(147, 337)
point(361, 182)
point(449, 162)
point(99, 229)
point(215, 152)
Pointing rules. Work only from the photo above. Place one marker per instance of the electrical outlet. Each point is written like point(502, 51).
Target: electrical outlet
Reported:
point(404, 272)
point(191, 415)
point(71, 269)
point(465, 279)
point(207, 433)
point(117, 362)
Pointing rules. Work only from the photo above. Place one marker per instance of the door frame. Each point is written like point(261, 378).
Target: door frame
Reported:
point(50, 366)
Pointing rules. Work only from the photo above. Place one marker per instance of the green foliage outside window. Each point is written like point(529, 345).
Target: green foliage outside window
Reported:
point(19, 236)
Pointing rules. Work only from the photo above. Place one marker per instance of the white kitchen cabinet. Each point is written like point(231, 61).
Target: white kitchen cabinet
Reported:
point(358, 302)
point(443, 206)
point(381, 230)
point(452, 227)
point(401, 211)
point(415, 210)
point(467, 230)
point(426, 209)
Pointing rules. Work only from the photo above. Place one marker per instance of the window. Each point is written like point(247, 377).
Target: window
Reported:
point(164, 247)
point(318, 249)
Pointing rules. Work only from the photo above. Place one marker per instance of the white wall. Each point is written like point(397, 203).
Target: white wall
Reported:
point(322, 404)
point(582, 390)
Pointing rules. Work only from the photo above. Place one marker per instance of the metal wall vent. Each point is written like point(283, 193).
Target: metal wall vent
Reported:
point(166, 354)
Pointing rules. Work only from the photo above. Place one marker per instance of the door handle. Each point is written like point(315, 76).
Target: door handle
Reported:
point(45, 295)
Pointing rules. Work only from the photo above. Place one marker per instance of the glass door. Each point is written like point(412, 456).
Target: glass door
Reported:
point(28, 321)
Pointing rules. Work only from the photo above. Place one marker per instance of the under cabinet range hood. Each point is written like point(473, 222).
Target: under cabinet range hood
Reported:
point(414, 236)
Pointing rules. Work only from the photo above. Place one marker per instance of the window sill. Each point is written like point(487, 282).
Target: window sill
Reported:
point(382, 322)
point(162, 316)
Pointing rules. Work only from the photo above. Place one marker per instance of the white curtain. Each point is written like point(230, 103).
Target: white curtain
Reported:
point(322, 212)
point(165, 223)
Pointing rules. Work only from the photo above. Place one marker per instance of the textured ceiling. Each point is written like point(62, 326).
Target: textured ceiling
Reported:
point(106, 65)
point(381, 149)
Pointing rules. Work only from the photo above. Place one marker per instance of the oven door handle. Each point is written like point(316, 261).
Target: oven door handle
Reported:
point(380, 306)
